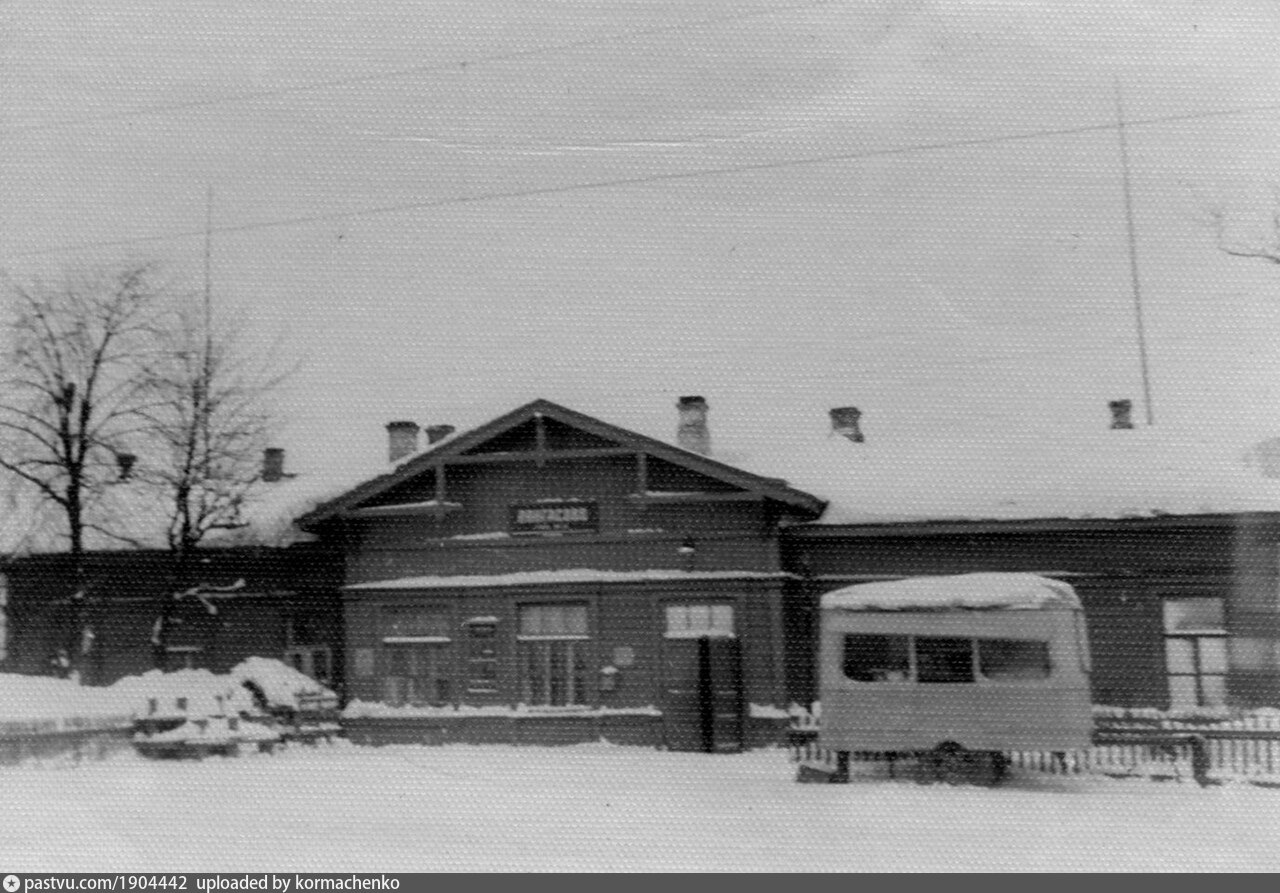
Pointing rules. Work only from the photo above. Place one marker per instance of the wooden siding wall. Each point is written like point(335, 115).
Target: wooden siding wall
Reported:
point(1121, 570)
point(621, 616)
point(633, 533)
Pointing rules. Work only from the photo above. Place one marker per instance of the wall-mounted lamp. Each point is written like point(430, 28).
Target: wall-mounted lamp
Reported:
point(608, 678)
point(688, 547)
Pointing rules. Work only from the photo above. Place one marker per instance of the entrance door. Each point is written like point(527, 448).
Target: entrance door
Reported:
point(703, 686)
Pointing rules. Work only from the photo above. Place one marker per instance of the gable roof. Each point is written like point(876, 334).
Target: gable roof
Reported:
point(454, 447)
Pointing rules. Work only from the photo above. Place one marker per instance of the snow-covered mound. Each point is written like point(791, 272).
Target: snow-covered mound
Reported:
point(279, 684)
point(45, 703)
point(157, 694)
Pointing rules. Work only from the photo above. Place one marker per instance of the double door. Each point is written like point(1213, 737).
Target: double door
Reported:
point(703, 688)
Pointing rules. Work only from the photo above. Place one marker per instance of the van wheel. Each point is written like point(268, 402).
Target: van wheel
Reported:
point(953, 764)
point(948, 762)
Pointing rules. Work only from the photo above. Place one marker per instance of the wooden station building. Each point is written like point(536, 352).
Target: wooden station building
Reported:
point(548, 577)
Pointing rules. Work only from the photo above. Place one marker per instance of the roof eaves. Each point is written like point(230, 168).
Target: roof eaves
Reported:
point(773, 488)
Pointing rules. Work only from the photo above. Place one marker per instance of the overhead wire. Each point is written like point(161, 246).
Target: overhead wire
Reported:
point(640, 180)
point(395, 74)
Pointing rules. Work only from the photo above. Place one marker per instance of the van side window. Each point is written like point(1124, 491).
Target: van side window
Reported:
point(944, 659)
point(869, 658)
point(1013, 659)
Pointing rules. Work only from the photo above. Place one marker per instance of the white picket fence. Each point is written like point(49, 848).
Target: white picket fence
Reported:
point(1146, 744)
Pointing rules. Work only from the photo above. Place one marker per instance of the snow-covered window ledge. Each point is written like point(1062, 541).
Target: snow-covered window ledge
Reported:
point(698, 634)
point(534, 710)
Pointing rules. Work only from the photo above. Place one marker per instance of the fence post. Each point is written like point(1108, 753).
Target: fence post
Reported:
point(1200, 760)
point(842, 768)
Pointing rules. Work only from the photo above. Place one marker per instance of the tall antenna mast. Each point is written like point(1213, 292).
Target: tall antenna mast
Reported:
point(1133, 255)
point(208, 280)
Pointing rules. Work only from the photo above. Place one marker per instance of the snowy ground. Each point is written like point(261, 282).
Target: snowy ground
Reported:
point(600, 807)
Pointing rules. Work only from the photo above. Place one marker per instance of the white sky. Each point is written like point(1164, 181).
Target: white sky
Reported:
point(938, 290)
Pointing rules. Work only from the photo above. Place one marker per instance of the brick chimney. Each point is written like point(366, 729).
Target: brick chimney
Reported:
point(402, 440)
point(691, 432)
point(844, 421)
point(437, 433)
point(272, 465)
point(1121, 413)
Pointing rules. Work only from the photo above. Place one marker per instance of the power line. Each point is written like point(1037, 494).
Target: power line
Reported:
point(537, 191)
point(313, 86)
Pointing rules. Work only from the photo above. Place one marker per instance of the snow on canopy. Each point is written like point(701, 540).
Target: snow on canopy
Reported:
point(567, 575)
point(965, 591)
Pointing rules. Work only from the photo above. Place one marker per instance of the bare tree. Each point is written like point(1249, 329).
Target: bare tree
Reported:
point(1265, 247)
point(72, 401)
point(209, 421)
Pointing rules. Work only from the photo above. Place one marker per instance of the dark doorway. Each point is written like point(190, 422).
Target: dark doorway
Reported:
point(703, 685)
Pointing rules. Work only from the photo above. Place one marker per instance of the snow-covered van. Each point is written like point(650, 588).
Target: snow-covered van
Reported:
point(991, 662)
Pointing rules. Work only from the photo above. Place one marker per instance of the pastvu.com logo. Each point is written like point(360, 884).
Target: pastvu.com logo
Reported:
point(11, 883)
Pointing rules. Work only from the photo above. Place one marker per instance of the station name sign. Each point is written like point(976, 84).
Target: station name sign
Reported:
point(554, 517)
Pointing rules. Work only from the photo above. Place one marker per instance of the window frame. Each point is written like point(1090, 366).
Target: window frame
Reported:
point(440, 663)
point(712, 630)
point(563, 659)
point(1196, 637)
point(976, 676)
point(392, 641)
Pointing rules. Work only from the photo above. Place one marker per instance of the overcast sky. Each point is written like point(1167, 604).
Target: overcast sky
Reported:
point(937, 286)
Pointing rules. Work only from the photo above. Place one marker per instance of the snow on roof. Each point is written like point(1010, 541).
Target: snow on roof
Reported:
point(569, 575)
point(1000, 472)
point(970, 591)
point(1014, 475)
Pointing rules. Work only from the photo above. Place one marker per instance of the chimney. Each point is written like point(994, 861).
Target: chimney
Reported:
point(437, 433)
point(124, 464)
point(1120, 413)
point(844, 421)
point(402, 440)
point(692, 433)
point(272, 465)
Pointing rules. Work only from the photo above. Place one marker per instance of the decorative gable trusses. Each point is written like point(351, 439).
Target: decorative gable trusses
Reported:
point(540, 432)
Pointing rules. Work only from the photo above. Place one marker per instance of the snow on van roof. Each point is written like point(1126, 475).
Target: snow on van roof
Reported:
point(966, 591)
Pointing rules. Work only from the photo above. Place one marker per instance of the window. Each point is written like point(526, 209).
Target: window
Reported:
point(1195, 648)
point(415, 622)
point(942, 659)
point(417, 675)
point(417, 655)
point(877, 658)
point(1013, 659)
point(691, 621)
point(553, 665)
